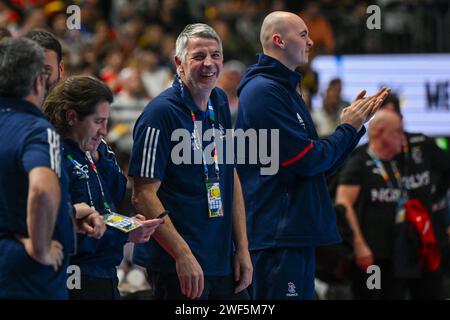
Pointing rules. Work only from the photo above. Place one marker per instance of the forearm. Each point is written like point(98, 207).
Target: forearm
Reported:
point(352, 219)
point(239, 220)
point(42, 210)
point(346, 195)
point(148, 204)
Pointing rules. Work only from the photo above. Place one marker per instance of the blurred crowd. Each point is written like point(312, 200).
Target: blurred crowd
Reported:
point(129, 44)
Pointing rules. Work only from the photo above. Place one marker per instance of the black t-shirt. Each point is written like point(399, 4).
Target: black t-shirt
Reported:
point(376, 205)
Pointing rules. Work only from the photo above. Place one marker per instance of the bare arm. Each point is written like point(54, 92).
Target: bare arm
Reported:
point(243, 269)
point(42, 209)
point(146, 202)
point(347, 195)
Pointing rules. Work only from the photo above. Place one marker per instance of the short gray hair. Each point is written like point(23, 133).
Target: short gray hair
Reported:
point(196, 30)
point(21, 61)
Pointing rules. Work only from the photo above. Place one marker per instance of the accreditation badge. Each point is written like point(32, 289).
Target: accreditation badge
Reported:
point(123, 223)
point(401, 212)
point(215, 208)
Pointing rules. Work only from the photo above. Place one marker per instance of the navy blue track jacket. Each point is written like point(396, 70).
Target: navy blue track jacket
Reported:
point(291, 208)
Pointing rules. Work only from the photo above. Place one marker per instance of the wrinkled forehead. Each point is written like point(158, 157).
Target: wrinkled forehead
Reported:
point(202, 44)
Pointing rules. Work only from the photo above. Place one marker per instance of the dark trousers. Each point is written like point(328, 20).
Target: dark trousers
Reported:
point(427, 287)
point(166, 286)
point(283, 274)
point(96, 289)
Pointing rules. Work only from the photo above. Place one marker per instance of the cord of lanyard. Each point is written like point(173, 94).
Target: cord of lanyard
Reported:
point(384, 173)
point(86, 175)
point(211, 118)
point(105, 202)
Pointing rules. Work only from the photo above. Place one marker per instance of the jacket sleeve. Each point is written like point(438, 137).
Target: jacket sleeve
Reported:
point(267, 107)
point(339, 162)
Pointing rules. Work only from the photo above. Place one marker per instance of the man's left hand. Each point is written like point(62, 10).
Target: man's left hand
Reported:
point(243, 270)
point(144, 232)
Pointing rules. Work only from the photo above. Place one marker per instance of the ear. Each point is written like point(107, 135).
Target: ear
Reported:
point(71, 116)
point(177, 61)
point(61, 69)
point(277, 41)
point(38, 86)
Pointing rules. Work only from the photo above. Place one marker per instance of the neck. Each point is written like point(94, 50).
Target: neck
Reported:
point(201, 101)
point(380, 152)
point(200, 96)
point(34, 100)
point(278, 56)
point(74, 138)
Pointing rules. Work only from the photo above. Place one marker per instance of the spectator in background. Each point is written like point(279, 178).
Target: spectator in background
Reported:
point(376, 186)
point(229, 80)
point(156, 76)
point(126, 108)
point(321, 32)
point(326, 119)
point(110, 72)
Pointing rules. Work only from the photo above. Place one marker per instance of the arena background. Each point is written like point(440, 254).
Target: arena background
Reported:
point(130, 44)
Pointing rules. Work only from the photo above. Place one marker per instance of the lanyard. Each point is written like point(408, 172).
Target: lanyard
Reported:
point(86, 175)
point(198, 143)
point(384, 173)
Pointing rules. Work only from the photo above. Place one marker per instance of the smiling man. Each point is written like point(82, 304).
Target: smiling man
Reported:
point(201, 252)
point(53, 63)
point(290, 212)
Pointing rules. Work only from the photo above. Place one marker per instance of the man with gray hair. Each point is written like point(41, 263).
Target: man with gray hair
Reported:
point(36, 233)
point(201, 251)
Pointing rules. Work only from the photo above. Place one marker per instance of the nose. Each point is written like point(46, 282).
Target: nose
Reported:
point(208, 61)
point(310, 42)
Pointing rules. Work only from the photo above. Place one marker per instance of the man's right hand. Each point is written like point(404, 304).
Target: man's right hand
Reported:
point(363, 109)
point(190, 275)
point(363, 255)
point(53, 257)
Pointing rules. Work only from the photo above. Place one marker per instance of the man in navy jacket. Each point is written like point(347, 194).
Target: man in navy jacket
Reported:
point(36, 231)
point(290, 212)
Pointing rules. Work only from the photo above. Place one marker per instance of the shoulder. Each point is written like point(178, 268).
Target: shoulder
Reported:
point(159, 111)
point(261, 85)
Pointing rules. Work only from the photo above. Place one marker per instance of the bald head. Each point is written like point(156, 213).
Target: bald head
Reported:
point(274, 22)
point(384, 119)
point(285, 37)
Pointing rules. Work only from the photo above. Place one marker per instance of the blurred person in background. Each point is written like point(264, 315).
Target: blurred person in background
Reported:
point(321, 32)
point(229, 80)
point(126, 108)
point(326, 118)
point(378, 187)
